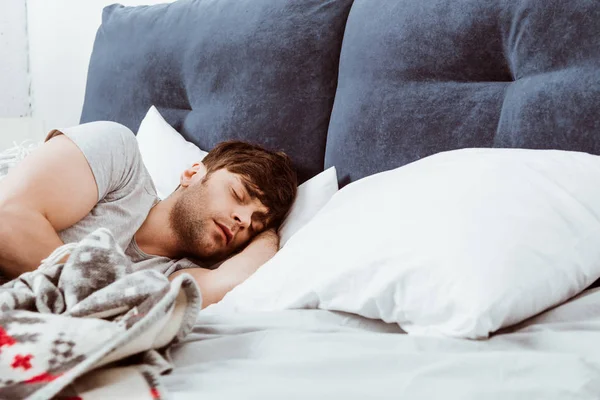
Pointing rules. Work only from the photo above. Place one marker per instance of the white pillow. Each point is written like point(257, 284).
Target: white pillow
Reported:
point(459, 244)
point(165, 152)
point(311, 197)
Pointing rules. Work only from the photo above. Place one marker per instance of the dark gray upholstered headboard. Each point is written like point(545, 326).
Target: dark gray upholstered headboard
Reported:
point(420, 77)
point(415, 77)
point(264, 71)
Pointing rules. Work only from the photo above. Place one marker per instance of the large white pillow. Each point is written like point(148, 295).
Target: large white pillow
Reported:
point(459, 244)
point(165, 152)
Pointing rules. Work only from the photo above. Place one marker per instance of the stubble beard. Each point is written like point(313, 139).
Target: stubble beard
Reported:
point(189, 226)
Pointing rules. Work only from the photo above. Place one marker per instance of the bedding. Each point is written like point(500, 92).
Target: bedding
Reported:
point(166, 154)
point(66, 320)
point(311, 197)
point(415, 79)
point(316, 354)
point(460, 244)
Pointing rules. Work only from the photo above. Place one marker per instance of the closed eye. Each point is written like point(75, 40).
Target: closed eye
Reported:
point(236, 195)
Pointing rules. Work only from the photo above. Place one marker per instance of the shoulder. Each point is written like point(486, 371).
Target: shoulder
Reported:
point(112, 152)
point(104, 134)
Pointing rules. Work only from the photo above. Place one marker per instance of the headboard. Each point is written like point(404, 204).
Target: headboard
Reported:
point(263, 71)
point(420, 77)
point(415, 77)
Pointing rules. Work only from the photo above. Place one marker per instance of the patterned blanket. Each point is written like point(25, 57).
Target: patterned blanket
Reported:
point(91, 326)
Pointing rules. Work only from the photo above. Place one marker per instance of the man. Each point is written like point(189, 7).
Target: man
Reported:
point(92, 176)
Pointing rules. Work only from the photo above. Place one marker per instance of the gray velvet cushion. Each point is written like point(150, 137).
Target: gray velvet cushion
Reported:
point(264, 71)
point(420, 77)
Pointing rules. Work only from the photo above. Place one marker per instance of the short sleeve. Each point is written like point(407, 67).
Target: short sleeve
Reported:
point(111, 151)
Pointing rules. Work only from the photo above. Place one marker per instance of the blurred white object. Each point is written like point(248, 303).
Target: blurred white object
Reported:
point(12, 156)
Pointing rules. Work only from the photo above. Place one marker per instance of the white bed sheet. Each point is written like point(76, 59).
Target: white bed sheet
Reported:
point(315, 354)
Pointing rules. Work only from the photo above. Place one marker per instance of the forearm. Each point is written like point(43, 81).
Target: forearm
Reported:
point(240, 267)
point(215, 284)
point(26, 238)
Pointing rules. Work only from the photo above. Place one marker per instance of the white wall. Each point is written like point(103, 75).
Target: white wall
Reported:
point(15, 124)
point(14, 77)
point(61, 37)
point(45, 47)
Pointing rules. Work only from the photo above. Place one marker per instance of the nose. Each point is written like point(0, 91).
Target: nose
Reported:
point(242, 217)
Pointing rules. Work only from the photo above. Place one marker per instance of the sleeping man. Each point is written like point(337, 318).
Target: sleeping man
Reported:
point(92, 176)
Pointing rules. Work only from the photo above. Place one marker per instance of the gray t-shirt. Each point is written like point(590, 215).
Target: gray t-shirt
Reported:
point(126, 192)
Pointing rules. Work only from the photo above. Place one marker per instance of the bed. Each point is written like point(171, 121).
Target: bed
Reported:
point(364, 87)
point(300, 354)
point(368, 86)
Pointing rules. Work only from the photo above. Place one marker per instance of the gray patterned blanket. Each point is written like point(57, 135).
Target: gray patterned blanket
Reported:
point(91, 327)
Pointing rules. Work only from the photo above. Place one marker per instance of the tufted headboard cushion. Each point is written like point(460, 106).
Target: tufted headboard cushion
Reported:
point(420, 77)
point(263, 71)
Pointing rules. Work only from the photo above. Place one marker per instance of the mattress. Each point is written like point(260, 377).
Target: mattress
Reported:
point(313, 354)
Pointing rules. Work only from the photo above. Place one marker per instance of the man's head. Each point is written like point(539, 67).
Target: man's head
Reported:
point(238, 191)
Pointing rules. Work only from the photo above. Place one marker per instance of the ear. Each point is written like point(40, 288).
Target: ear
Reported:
point(193, 174)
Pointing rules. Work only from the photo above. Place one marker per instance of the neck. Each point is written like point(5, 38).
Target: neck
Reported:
point(155, 236)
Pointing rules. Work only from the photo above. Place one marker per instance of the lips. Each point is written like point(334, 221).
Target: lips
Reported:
point(226, 232)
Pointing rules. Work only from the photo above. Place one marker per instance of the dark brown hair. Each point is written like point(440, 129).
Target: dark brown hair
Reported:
point(267, 175)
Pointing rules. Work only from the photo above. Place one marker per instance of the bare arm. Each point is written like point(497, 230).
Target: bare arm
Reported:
point(50, 190)
point(215, 284)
